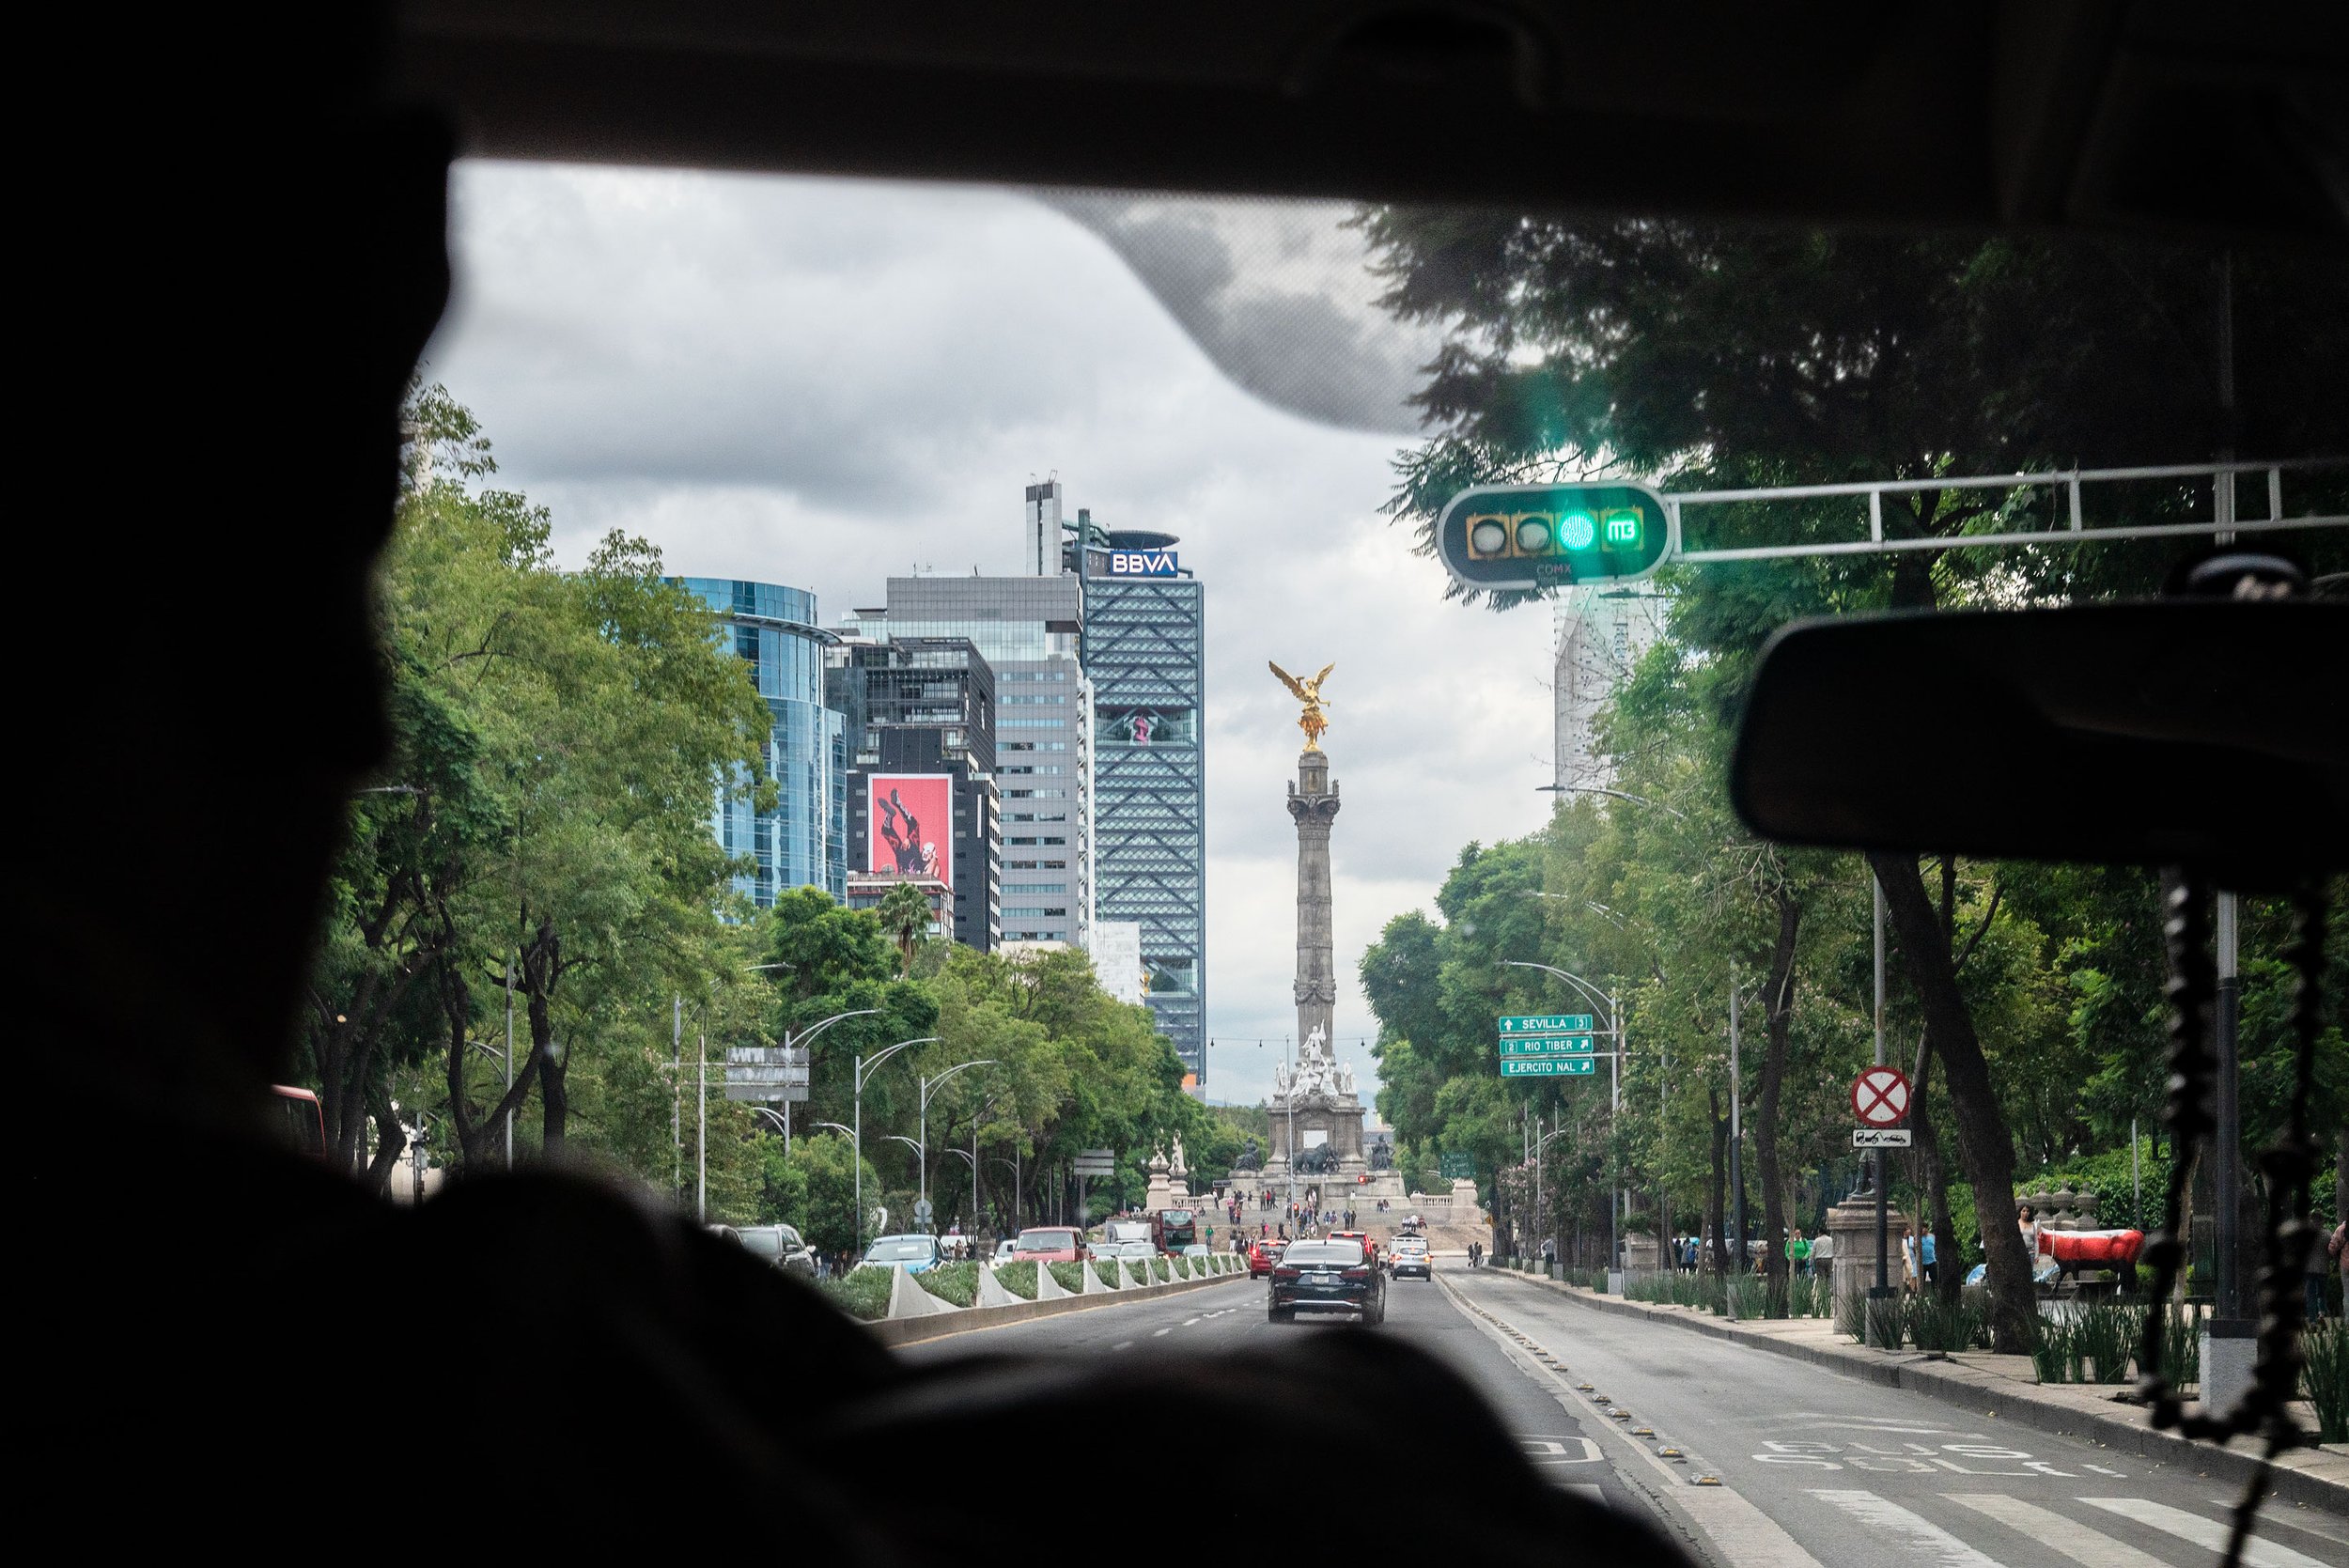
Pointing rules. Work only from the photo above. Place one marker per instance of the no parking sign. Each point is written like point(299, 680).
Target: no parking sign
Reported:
point(1879, 1097)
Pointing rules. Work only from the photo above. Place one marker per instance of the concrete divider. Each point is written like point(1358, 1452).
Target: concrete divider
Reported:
point(963, 1320)
point(908, 1299)
point(992, 1291)
point(1048, 1288)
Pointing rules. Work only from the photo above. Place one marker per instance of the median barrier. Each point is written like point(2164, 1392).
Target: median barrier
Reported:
point(906, 1299)
point(950, 1319)
point(1048, 1287)
point(992, 1291)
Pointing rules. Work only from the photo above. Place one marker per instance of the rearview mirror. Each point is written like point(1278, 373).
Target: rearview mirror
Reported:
point(2208, 733)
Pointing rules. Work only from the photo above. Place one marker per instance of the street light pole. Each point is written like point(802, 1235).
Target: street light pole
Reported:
point(701, 1138)
point(1615, 1086)
point(928, 1084)
point(1736, 1153)
point(862, 1068)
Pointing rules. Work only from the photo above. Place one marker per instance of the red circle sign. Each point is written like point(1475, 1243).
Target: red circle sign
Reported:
point(1879, 1097)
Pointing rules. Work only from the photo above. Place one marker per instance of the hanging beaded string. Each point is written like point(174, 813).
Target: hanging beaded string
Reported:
point(2288, 1165)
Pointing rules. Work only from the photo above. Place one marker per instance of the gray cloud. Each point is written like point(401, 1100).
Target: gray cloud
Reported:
point(825, 383)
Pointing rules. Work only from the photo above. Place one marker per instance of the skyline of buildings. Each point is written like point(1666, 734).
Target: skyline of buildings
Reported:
point(1031, 749)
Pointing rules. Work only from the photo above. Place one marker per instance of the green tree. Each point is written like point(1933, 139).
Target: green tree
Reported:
point(1743, 358)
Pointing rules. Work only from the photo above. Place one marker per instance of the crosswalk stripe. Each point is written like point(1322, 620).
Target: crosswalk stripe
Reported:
point(1938, 1544)
point(2088, 1547)
point(2209, 1535)
point(2300, 1519)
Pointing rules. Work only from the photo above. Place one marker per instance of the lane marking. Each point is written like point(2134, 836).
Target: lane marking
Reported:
point(1161, 1333)
point(2088, 1547)
point(1123, 1345)
point(1738, 1531)
point(1891, 1518)
point(2209, 1535)
point(1188, 1320)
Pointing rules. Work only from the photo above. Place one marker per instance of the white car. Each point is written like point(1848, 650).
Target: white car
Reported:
point(1005, 1251)
point(1196, 1250)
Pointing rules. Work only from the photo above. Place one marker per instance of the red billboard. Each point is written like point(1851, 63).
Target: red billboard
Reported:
point(912, 832)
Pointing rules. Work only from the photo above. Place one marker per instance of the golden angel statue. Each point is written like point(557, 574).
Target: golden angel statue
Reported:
point(1309, 693)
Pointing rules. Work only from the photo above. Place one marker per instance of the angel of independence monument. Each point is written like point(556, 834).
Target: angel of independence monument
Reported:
point(1316, 1115)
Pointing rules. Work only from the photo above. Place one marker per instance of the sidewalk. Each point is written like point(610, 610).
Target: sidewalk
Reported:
point(2002, 1388)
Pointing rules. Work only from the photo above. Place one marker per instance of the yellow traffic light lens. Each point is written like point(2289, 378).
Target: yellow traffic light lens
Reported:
point(1579, 531)
point(1487, 536)
point(1533, 535)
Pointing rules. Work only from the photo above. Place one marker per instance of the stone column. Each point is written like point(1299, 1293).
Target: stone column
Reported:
point(1314, 804)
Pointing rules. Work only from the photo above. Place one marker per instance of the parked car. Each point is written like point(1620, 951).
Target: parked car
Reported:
point(1133, 1251)
point(1326, 1277)
point(1196, 1250)
point(1411, 1257)
point(1049, 1244)
point(1262, 1254)
point(916, 1254)
point(780, 1245)
point(1006, 1250)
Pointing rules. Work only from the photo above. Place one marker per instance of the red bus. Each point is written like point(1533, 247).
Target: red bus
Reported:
point(1172, 1230)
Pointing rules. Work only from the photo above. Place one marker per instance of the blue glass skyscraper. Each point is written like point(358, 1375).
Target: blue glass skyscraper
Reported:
point(803, 841)
point(1145, 654)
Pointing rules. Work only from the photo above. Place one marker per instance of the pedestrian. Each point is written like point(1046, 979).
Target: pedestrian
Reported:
point(1926, 1244)
point(1798, 1251)
point(2337, 1247)
point(1823, 1255)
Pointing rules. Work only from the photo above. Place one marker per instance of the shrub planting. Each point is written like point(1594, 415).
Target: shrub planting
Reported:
point(1019, 1279)
point(861, 1293)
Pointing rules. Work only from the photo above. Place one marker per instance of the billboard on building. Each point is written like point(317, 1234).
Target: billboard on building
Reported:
point(912, 825)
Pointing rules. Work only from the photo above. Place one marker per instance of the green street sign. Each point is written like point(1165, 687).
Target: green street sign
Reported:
point(1546, 1023)
point(1458, 1167)
point(1549, 1044)
point(1548, 1066)
point(1552, 535)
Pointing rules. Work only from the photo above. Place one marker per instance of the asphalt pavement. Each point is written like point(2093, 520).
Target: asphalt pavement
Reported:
point(1751, 1460)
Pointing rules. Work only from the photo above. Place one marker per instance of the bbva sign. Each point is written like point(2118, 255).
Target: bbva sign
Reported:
point(1142, 563)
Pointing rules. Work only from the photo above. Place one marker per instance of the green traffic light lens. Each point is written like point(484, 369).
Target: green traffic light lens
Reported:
point(1532, 535)
point(1578, 530)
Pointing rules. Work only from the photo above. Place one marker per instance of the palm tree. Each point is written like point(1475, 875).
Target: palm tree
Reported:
point(904, 914)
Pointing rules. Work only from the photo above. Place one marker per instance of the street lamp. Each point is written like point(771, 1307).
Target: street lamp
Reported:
point(807, 1040)
point(1615, 1091)
point(928, 1086)
point(1616, 794)
point(863, 1067)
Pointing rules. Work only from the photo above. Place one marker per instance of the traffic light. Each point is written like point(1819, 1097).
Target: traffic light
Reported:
point(1551, 536)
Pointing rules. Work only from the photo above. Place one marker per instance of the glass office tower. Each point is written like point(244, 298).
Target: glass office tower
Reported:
point(803, 841)
point(1144, 651)
point(1027, 629)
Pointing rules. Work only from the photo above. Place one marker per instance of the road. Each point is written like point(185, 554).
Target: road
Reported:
point(1781, 1465)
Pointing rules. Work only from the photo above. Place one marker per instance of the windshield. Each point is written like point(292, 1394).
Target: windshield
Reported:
point(1247, 691)
point(766, 1243)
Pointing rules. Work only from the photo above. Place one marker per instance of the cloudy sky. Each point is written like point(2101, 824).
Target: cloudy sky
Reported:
point(825, 383)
